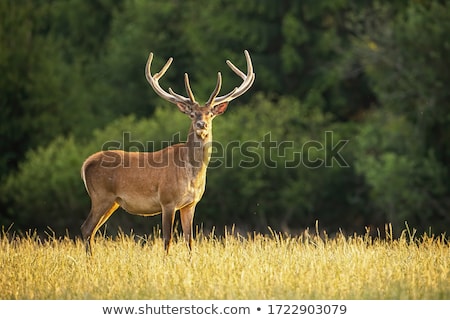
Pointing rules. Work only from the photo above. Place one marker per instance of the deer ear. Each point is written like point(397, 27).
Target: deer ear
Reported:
point(185, 108)
point(220, 108)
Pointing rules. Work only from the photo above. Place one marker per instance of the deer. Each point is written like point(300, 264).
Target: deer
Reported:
point(165, 181)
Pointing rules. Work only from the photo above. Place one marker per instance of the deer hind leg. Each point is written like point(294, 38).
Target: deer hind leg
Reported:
point(100, 212)
point(187, 216)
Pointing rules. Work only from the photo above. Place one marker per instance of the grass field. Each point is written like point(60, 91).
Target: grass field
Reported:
point(256, 266)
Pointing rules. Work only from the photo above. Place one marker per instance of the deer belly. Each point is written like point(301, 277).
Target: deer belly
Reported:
point(144, 206)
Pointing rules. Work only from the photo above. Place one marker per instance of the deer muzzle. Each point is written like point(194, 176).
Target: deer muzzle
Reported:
point(201, 129)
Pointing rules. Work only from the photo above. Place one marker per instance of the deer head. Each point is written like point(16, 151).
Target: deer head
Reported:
point(201, 115)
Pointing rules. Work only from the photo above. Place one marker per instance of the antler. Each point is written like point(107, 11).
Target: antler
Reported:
point(173, 97)
point(170, 96)
point(248, 78)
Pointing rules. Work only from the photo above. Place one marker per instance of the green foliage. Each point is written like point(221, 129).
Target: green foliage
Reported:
point(44, 88)
point(46, 190)
point(140, 27)
point(247, 181)
point(405, 55)
point(19, 40)
point(274, 153)
point(73, 81)
point(406, 182)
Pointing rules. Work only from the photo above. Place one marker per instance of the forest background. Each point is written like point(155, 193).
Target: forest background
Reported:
point(347, 123)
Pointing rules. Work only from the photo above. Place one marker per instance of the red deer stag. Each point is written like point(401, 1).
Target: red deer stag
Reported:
point(171, 179)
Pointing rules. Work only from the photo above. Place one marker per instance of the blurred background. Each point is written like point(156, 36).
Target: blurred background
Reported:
point(375, 74)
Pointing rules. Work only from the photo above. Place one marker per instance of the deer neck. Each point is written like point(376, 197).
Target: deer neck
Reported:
point(198, 150)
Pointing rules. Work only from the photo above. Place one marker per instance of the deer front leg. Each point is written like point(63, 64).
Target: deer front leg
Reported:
point(168, 215)
point(187, 216)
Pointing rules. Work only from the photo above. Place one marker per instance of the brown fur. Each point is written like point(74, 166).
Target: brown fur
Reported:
point(149, 183)
point(174, 178)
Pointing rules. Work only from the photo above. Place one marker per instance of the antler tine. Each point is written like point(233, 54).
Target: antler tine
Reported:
point(191, 98)
point(159, 74)
point(188, 88)
point(248, 78)
point(170, 96)
point(179, 97)
point(216, 90)
point(235, 69)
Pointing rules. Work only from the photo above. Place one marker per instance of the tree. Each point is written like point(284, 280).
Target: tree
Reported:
point(374, 74)
point(404, 143)
point(44, 57)
point(405, 183)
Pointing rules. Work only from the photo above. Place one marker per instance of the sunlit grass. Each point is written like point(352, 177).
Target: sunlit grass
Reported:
point(256, 266)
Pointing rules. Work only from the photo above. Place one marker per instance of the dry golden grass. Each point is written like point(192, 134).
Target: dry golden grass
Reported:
point(231, 267)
